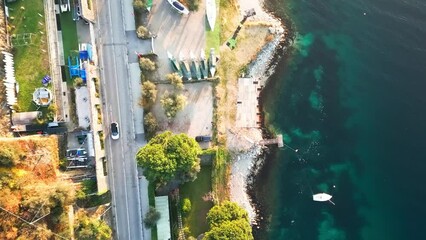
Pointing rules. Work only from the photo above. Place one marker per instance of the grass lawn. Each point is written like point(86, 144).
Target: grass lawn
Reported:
point(212, 37)
point(69, 38)
point(220, 174)
point(196, 219)
point(31, 61)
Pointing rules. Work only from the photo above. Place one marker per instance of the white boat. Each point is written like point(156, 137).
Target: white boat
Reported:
point(211, 13)
point(322, 197)
point(178, 6)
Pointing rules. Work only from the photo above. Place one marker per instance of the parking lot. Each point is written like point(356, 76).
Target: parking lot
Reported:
point(196, 118)
point(176, 33)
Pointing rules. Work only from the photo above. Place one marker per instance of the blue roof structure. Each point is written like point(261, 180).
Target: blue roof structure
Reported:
point(83, 55)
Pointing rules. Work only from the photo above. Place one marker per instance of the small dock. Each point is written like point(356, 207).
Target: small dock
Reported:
point(278, 140)
point(248, 112)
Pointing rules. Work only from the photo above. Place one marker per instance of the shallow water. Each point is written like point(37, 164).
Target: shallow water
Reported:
point(349, 95)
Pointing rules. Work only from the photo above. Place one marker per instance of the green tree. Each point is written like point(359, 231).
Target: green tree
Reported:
point(51, 112)
point(157, 168)
point(78, 82)
point(232, 230)
point(91, 228)
point(228, 221)
point(146, 64)
point(175, 80)
point(228, 211)
point(151, 125)
point(169, 156)
point(151, 217)
point(142, 32)
point(186, 205)
point(139, 5)
point(8, 157)
point(149, 94)
point(172, 103)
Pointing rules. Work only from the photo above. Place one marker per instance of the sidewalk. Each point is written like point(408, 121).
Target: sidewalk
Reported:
point(134, 44)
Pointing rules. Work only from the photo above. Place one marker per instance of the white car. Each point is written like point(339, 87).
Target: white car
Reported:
point(115, 131)
point(179, 7)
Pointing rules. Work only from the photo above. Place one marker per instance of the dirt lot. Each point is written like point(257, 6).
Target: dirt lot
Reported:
point(196, 118)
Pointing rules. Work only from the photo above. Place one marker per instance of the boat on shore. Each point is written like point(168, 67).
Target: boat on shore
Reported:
point(195, 69)
point(186, 72)
point(203, 65)
point(179, 7)
point(211, 13)
point(175, 63)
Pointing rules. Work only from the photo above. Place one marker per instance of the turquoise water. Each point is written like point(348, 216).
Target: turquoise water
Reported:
point(350, 95)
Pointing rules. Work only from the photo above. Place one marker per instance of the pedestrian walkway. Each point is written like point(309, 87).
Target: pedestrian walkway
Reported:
point(54, 46)
point(128, 16)
point(135, 76)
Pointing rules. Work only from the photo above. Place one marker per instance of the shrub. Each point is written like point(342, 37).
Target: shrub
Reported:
point(149, 94)
point(146, 64)
point(101, 139)
point(51, 112)
point(172, 103)
point(186, 205)
point(139, 5)
point(193, 5)
point(175, 80)
point(142, 32)
point(78, 82)
point(151, 217)
point(8, 157)
point(151, 125)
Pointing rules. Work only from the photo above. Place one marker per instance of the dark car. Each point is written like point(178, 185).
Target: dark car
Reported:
point(115, 131)
point(203, 138)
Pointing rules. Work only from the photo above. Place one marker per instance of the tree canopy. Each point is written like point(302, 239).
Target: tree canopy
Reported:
point(228, 221)
point(172, 104)
point(169, 156)
point(30, 188)
point(88, 228)
point(151, 217)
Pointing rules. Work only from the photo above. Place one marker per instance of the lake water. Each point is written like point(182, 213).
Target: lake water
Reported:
point(350, 96)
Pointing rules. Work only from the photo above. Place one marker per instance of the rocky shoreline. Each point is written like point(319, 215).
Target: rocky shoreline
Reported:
point(249, 157)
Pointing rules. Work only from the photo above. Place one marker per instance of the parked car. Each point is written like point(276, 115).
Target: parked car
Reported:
point(115, 131)
point(203, 138)
point(78, 11)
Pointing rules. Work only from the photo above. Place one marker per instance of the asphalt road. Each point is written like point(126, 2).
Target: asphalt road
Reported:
point(122, 170)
